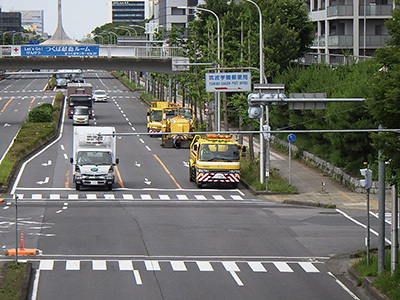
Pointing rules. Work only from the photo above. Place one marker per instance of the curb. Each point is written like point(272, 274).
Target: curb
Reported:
point(367, 283)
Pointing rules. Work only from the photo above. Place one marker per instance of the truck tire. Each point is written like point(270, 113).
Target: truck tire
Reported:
point(199, 185)
point(235, 185)
point(109, 187)
point(192, 177)
point(77, 187)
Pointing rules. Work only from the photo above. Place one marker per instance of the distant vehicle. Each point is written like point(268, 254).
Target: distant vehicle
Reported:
point(62, 80)
point(81, 115)
point(77, 77)
point(100, 96)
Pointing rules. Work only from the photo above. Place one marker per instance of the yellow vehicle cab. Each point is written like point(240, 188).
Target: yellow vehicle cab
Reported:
point(175, 120)
point(154, 116)
point(215, 158)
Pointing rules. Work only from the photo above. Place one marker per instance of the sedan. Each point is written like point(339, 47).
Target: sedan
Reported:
point(100, 95)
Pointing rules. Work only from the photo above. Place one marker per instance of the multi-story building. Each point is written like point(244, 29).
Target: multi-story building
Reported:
point(349, 27)
point(33, 20)
point(130, 12)
point(10, 21)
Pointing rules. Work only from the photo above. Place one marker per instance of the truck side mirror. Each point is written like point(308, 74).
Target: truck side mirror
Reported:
point(195, 147)
point(71, 160)
point(117, 161)
point(244, 149)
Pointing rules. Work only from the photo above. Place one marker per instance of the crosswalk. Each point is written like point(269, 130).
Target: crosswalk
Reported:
point(180, 265)
point(130, 196)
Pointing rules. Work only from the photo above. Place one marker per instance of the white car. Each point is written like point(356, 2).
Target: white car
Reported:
point(81, 115)
point(100, 96)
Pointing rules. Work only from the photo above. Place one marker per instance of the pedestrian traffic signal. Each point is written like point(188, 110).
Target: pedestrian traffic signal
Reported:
point(367, 181)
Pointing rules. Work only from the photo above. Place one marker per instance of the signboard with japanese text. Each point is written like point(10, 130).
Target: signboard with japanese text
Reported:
point(60, 50)
point(228, 82)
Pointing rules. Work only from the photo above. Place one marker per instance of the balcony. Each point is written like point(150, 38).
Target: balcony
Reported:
point(376, 10)
point(342, 41)
point(374, 41)
point(340, 10)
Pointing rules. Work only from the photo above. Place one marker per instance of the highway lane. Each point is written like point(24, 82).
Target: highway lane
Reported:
point(156, 240)
point(18, 95)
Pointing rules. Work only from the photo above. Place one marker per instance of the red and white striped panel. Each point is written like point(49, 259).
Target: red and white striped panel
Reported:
point(154, 131)
point(218, 177)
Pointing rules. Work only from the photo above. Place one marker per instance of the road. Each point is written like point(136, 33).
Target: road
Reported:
point(156, 236)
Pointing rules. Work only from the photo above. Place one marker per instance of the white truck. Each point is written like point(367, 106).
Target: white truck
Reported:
point(94, 157)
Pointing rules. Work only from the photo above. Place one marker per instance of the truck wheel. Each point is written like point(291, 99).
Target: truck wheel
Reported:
point(191, 174)
point(77, 187)
point(235, 185)
point(109, 187)
point(199, 185)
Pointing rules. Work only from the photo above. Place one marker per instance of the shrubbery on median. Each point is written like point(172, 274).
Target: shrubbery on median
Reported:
point(40, 128)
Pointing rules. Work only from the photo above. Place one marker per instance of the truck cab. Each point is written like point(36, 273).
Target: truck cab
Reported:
point(215, 159)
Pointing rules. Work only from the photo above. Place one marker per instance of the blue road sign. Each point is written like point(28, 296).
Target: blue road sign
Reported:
point(291, 138)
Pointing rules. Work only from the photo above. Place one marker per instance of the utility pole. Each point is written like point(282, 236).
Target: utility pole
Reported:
point(381, 200)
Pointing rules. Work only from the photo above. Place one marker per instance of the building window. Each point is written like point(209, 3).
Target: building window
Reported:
point(177, 11)
point(378, 30)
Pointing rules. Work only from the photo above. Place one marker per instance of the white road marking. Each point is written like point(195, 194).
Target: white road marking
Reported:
point(256, 266)
point(230, 266)
point(283, 267)
point(138, 279)
point(204, 266)
point(308, 267)
point(99, 265)
point(178, 266)
point(125, 265)
point(73, 265)
point(46, 265)
point(152, 265)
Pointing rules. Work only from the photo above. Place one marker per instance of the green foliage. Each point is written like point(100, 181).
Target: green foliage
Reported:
point(41, 113)
point(12, 281)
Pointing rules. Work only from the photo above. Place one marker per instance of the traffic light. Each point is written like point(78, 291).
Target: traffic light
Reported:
point(255, 112)
point(367, 182)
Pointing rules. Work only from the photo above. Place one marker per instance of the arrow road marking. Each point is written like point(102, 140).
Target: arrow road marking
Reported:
point(146, 181)
point(46, 180)
point(186, 164)
point(137, 164)
point(7, 125)
point(47, 164)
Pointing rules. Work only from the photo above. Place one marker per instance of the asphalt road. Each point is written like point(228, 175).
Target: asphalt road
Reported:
point(156, 236)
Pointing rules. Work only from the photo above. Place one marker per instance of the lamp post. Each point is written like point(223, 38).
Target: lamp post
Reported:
point(127, 29)
point(100, 36)
point(4, 33)
point(262, 147)
point(14, 36)
point(217, 94)
point(116, 36)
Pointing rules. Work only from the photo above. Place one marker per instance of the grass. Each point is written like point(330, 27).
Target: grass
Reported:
point(12, 281)
point(250, 173)
point(387, 283)
point(30, 137)
point(122, 77)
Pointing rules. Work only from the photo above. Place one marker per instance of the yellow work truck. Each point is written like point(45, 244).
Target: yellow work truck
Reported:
point(215, 158)
point(154, 116)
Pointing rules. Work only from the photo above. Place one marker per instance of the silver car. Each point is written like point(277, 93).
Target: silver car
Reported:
point(100, 96)
point(81, 115)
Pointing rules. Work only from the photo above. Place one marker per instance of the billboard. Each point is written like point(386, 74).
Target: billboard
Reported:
point(60, 50)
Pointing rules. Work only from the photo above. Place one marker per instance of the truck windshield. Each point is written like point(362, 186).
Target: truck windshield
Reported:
point(186, 113)
point(219, 152)
point(156, 115)
point(94, 158)
point(80, 101)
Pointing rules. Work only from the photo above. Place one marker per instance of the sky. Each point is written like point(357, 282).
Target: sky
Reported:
point(79, 17)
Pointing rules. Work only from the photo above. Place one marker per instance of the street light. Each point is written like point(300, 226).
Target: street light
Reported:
point(116, 36)
point(127, 29)
point(102, 39)
point(14, 35)
point(218, 98)
point(262, 147)
point(4, 33)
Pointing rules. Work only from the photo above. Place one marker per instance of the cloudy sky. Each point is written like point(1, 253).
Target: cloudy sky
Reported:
point(79, 17)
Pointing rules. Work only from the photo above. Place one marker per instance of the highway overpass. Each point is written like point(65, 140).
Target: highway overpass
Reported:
point(99, 57)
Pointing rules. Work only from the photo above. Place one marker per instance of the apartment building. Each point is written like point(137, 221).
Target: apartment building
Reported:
point(33, 20)
point(349, 27)
point(10, 21)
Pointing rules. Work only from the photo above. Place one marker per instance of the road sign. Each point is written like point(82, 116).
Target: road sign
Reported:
point(228, 82)
point(291, 138)
point(61, 50)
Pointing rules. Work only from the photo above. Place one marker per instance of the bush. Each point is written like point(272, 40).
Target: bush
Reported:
point(41, 114)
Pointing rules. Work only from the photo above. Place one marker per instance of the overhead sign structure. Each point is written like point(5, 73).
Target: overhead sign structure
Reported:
point(61, 50)
point(228, 82)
